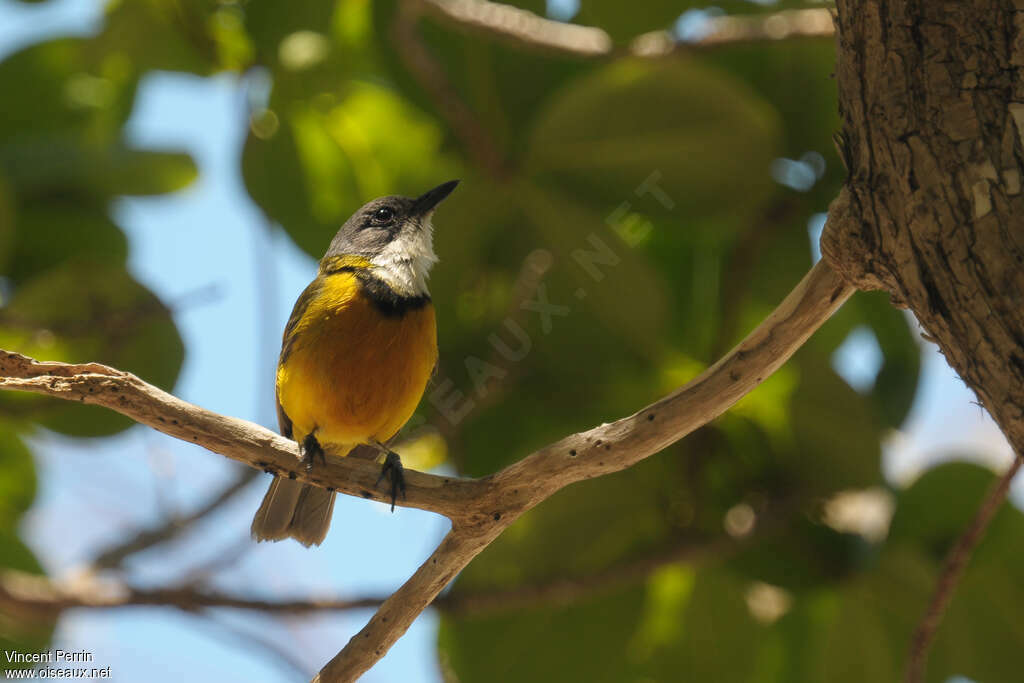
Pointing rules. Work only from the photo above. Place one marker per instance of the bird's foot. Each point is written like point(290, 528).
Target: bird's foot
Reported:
point(393, 470)
point(311, 450)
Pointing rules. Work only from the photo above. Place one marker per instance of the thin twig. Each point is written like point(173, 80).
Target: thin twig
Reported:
point(475, 138)
point(224, 559)
point(523, 28)
point(952, 572)
point(39, 597)
point(480, 509)
point(114, 556)
point(251, 641)
point(34, 596)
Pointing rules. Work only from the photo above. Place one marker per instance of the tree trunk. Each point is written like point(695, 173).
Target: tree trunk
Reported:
point(931, 97)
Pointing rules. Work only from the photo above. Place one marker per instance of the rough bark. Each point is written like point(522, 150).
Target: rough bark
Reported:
point(931, 97)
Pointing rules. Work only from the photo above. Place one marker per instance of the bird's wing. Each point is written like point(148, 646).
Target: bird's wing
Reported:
point(284, 423)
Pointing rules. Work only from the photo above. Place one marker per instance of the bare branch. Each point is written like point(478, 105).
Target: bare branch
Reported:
point(520, 26)
point(479, 509)
point(237, 439)
point(394, 617)
point(602, 450)
point(35, 596)
point(526, 29)
point(38, 597)
point(784, 25)
point(952, 572)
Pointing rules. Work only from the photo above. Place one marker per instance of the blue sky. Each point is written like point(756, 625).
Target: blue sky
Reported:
point(211, 239)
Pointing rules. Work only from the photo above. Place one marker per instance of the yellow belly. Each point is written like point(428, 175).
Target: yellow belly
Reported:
point(353, 374)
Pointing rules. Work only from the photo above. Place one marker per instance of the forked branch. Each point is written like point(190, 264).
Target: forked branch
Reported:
point(480, 509)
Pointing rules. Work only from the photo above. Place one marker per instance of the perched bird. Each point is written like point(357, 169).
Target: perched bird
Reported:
point(356, 355)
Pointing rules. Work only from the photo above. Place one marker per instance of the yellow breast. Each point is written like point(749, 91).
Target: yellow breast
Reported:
point(354, 373)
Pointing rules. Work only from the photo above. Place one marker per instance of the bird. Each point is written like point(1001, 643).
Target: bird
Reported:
point(357, 353)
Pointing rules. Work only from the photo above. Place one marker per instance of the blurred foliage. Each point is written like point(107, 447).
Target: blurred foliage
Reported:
point(622, 223)
point(704, 622)
point(65, 292)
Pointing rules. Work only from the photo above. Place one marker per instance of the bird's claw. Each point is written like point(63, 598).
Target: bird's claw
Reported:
point(395, 473)
point(311, 450)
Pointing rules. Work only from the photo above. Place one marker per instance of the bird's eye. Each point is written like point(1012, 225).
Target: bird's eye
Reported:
point(383, 215)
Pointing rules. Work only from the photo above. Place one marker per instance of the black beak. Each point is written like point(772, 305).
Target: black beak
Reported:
point(427, 201)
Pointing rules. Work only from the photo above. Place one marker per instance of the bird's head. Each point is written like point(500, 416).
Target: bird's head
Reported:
point(393, 236)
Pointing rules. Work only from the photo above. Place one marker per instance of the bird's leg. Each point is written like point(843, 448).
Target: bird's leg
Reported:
point(311, 450)
point(393, 470)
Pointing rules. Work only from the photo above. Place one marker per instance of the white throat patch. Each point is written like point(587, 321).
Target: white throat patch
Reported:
point(405, 262)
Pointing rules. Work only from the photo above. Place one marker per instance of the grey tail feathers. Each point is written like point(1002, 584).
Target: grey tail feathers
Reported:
point(292, 509)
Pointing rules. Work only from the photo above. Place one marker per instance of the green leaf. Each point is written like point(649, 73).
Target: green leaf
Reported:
point(18, 633)
point(331, 154)
point(801, 556)
point(7, 232)
point(837, 441)
point(46, 236)
point(799, 84)
point(666, 138)
point(590, 527)
point(168, 35)
point(896, 384)
point(17, 479)
point(711, 628)
point(981, 631)
point(56, 166)
point(861, 630)
point(81, 311)
point(623, 21)
point(292, 30)
point(274, 177)
point(934, 511)
point(781, 257)
point(594, 265)
point(588, 643)
point(675, 625)
point(57, 91)
point(502, 85)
